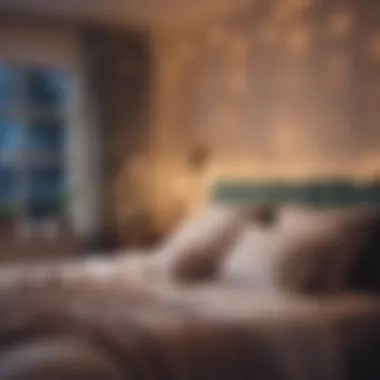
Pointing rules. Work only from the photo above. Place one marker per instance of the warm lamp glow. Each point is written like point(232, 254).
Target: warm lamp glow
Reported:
point(339, 23)
point(269, 34)
point(180, 187)
point(298, 40)
point(374, 46)
point(284, 139)
point(301, 4)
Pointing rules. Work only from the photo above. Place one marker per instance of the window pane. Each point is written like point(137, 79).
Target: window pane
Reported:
point(44, 187)
point(10, 139)
point(47, 87)
point(8, 86)
point(46, 137)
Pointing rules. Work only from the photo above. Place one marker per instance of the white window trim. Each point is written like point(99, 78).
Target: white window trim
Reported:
point(48, 46)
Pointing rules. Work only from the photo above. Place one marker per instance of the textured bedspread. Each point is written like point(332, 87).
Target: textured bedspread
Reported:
point(159, 330)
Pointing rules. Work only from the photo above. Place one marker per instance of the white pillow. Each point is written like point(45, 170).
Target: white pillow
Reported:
point(307, 250)
point(195, 250)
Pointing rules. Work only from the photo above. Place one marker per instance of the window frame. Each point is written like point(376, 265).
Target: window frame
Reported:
point(62, 48)
point(24, 114)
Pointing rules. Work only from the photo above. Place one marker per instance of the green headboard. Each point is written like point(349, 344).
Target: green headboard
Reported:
point(317, 193)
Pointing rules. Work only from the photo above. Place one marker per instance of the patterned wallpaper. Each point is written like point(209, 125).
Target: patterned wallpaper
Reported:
point(289, 88)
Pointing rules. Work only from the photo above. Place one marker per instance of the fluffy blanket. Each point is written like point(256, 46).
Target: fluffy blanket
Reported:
point(157, 329)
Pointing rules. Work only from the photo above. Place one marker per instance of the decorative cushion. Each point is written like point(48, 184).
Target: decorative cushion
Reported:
point(305, 251)
point(196, 248)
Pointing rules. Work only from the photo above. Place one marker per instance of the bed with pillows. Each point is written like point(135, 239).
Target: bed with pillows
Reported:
point(262, 291)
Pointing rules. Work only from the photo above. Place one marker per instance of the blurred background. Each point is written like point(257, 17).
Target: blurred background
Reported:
point(119, 117)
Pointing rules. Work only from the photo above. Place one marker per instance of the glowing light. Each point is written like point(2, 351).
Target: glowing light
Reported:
point(180, 186)
point(269, 34)
point(298, 40)
point(301, 4)
point(374, 46)
point(339, 23)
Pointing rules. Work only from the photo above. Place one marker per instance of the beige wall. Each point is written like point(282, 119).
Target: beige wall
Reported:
point(289, 88)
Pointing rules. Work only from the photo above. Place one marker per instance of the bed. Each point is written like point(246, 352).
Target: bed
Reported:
point(126, 318)
point(205, 333)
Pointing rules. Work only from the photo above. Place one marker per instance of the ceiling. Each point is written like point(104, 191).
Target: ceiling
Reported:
point(127, 12)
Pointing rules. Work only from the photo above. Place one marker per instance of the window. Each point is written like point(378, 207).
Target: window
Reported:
point(33, 118)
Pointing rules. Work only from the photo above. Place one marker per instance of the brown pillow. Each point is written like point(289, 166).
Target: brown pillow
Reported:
point(196, 248)
point(306, 251)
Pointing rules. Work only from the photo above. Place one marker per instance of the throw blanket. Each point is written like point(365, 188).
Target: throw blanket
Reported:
point(160, 330)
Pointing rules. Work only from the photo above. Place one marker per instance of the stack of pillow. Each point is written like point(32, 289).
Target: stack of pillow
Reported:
point(277, 248)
